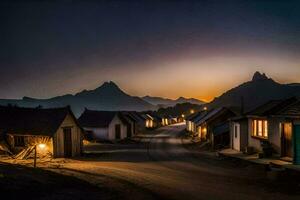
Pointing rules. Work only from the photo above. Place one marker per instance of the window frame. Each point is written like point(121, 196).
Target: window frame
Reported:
point(259, 129)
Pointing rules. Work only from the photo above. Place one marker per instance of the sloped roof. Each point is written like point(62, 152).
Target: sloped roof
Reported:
point(192, 116)
point(92, 118)
point(147, 116)
point(290, 110)
point(209, 114)
point(216, 112)
point(129, 116)
point(221, 128)
point(32, 121)
point(200, 116)
point(136, 116)
point(272, 107)
point(124, 118)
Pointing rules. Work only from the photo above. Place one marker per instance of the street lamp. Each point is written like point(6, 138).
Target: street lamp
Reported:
point(41, 146)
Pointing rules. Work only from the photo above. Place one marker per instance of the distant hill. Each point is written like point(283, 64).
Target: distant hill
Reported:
point(164, 102)
point(106, 97)
point(256, 92)
point(179, 109)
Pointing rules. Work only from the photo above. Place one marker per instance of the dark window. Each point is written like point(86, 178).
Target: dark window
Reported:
point(19, 141)
point(117, 131)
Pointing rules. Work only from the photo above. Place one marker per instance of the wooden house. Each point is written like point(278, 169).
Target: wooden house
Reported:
point(276, 122)
point(54, 131)
point(105, 125)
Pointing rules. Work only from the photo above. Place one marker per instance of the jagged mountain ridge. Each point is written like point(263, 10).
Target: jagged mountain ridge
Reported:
point(106, 97)
point(256, 92)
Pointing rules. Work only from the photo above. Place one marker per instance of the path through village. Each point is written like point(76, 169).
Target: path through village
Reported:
point(161, 167)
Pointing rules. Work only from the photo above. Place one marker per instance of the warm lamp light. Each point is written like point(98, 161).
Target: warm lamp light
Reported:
point(42, 146)
point(192, 111)
point(205, 108)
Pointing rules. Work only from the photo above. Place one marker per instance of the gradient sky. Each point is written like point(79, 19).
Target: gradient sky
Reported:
point(161, 48)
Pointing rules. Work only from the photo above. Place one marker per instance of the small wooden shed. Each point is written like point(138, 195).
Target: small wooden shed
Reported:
point(54, 131)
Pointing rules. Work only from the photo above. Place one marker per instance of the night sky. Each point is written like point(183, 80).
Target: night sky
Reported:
point(161, 48)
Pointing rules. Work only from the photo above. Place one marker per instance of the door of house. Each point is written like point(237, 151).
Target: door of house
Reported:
point(118, 131)
point(129, 130)
point(67, 142)
point(236, 137)
point(286, 140)
point(296, 144)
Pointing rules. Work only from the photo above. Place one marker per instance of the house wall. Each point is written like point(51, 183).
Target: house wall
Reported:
point(133, 127)
point(140, 127)
point(202, 132)
point(243, 133)
point(150, 123)
point(253, 141)
point(274, 131)
point(111, 128)
point(193, 127)
point(98, 133)
point(274, 135)
point(188, 126)
point(58, 139)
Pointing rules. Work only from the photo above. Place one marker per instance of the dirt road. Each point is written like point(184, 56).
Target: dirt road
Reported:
point(161, 168)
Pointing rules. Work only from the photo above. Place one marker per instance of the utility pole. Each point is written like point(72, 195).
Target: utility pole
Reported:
point(34, 162)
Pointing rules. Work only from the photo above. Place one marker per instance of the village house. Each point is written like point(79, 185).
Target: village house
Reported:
point(275, 123)
point(150, 121)
point(213, 125)
point(168, 120)
point(165, 121)
point(105, 125)
point(190, 122)
point(54, 131)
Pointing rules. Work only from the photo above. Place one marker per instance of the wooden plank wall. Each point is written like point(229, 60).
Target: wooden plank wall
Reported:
point(58, 143)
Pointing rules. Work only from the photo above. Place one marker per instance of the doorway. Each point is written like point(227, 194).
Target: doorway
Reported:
point(117, 131)
point(129, 130)
point(236, 137)
point(286, 140)
point(67, 142)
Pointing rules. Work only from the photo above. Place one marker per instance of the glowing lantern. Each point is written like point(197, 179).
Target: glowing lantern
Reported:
point(42, 146)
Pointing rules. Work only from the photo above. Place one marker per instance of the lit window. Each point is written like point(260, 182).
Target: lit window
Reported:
point(265, 129)
point(254, 127)
point(260, 128)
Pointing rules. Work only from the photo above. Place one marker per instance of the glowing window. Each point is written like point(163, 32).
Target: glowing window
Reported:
point(260, 128)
